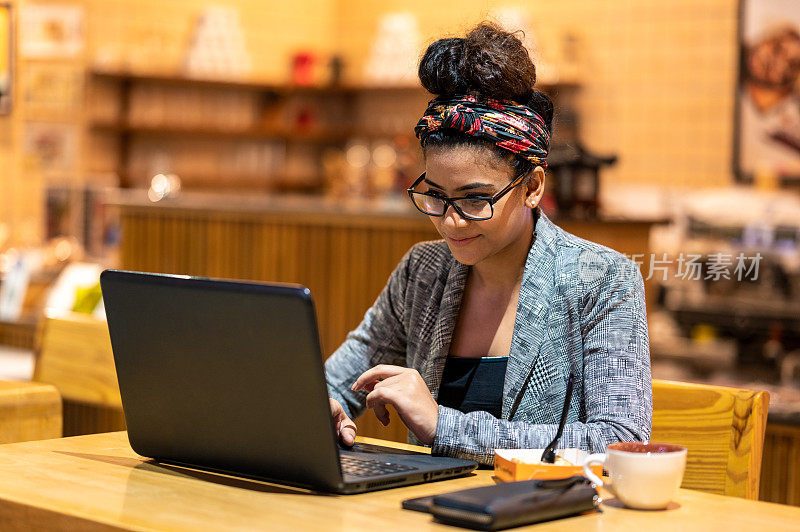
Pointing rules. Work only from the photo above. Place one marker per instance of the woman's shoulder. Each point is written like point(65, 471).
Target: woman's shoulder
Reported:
point(571, 244)
point(589, 261)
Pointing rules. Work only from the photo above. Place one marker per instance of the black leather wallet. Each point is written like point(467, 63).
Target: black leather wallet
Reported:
point(510, 504)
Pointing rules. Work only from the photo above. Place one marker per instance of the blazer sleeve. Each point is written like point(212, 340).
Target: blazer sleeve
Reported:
point(379, 339)
point(617, 388)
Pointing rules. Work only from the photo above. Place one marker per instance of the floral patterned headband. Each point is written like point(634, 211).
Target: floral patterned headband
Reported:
point(510, 125)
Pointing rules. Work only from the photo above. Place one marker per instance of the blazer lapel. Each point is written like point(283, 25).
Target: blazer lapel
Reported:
point(530, 327)
point(445, 325)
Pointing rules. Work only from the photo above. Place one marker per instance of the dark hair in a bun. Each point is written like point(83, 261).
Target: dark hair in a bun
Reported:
point(488, 62)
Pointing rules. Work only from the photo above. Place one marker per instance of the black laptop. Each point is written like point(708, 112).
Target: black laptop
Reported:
point(228, 376)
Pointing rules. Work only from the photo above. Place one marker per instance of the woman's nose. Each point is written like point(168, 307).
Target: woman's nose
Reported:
point(453, 219)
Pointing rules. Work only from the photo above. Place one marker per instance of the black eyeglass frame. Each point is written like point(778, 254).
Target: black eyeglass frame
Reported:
point(450, 201)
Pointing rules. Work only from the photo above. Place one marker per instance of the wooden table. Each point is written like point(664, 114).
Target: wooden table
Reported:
point(97, 482)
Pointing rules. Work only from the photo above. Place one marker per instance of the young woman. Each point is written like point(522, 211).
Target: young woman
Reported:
point(475, 336)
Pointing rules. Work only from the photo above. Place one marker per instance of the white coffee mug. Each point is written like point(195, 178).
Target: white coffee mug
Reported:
point(643, 475)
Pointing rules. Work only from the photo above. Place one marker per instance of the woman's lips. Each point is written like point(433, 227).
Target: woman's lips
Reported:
point(461, 241)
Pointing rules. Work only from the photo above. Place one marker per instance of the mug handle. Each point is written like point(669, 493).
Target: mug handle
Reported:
point(597, 458)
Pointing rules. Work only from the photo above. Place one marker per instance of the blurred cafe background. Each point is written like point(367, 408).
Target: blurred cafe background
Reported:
point(274, 141)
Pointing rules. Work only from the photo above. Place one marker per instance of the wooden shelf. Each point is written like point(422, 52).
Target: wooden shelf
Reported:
point(316, 135)
point(262, 133)
point(282, 89)
point(244, 84)
point(243, 182)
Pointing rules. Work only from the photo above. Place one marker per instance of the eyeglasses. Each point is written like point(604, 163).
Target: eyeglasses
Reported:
point(468, 207)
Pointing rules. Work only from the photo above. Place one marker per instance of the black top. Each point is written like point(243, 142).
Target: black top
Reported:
point(473, 384)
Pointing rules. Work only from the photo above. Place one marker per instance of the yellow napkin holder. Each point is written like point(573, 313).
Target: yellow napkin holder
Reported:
point(525, 464)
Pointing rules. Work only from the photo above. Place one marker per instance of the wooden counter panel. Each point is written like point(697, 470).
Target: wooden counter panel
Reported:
point(345, 267)
point(20, 335)
point(780, 469)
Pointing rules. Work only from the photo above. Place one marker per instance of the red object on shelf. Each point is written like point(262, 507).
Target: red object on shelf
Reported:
point(303, 68)
point(305, 119)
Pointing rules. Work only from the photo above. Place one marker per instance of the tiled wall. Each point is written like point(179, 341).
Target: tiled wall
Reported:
point(20, 208)
point(657, 76)
point(154, 34)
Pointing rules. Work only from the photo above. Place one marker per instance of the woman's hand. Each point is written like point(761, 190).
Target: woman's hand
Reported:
point(404, 389)
point(345, 428)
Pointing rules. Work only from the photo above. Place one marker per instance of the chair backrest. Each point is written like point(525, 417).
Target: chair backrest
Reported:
point(723, 430)
point(29, 411)
point(74, 354)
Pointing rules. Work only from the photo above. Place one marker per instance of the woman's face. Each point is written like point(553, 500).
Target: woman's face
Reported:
point(465, 171)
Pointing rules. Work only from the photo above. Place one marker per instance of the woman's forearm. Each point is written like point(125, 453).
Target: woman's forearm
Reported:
point(476, 435)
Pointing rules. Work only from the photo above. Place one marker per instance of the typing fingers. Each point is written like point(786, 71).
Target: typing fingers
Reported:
point(347, 431)
point(377, 401)
point(336, 409)
point(367, 380)
point(345, 428)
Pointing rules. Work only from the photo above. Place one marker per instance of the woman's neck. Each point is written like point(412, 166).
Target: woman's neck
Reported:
point(503, 271)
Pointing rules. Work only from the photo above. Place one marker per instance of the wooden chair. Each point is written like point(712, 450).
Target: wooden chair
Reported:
point(723, 430)
point(74, 354)
point(29, 411)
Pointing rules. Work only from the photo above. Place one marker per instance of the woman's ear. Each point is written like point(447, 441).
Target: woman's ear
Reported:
point(535, 189)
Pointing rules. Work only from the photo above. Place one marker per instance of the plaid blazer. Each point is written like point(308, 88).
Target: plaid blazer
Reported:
point(581, 309)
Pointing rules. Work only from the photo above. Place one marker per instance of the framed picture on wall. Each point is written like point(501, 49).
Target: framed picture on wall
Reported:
point(51, 31)
point(767, 129)
point(6, 58)
point(51, 90)
point(50, 146)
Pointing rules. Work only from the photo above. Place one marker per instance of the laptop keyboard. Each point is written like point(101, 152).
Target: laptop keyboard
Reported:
point(367, 467)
